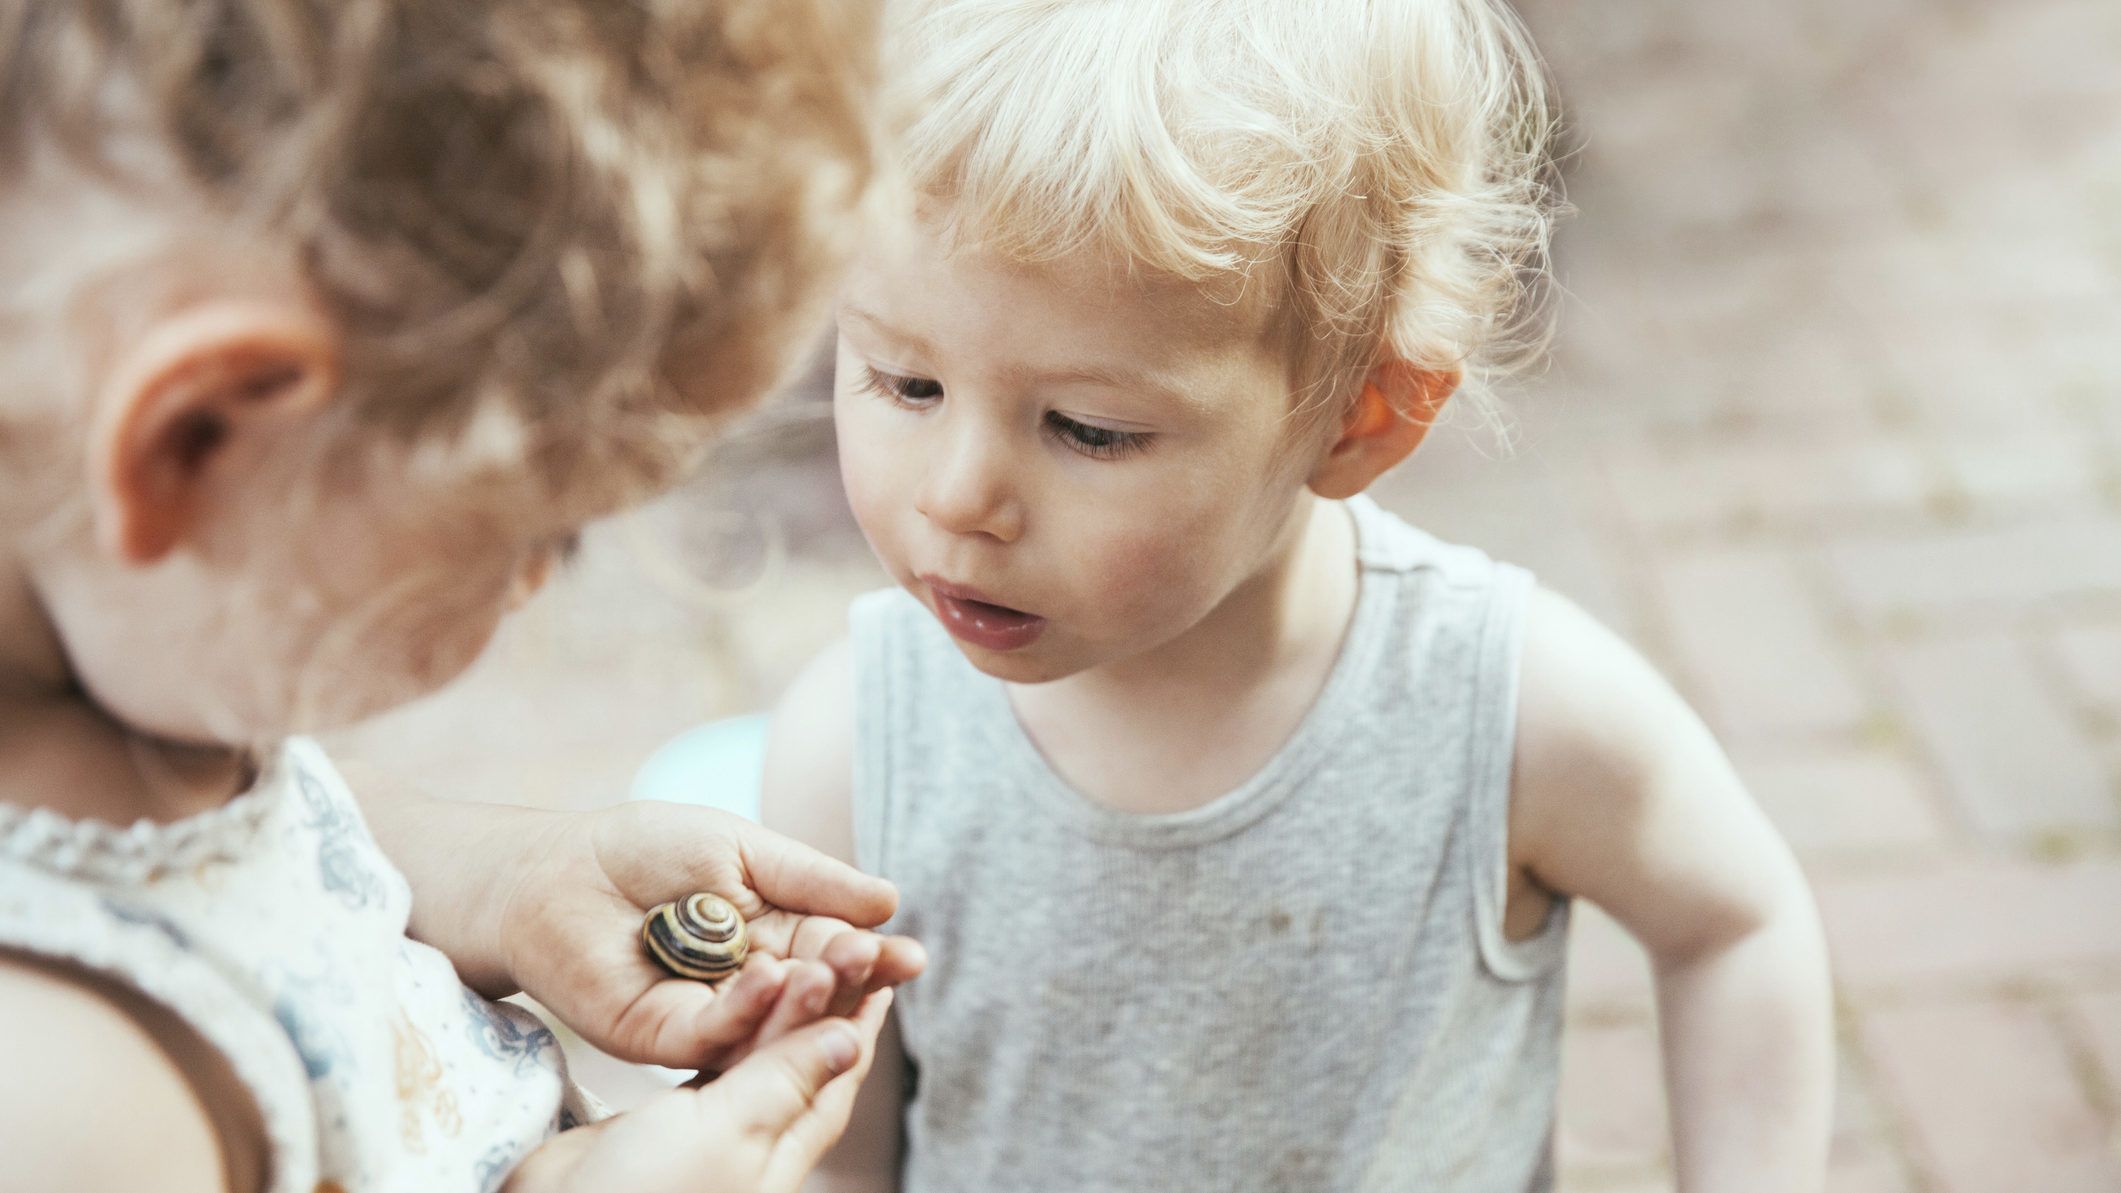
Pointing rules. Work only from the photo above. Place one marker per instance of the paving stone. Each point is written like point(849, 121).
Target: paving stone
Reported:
point(2012, 757)
point(2045, 56)
point(1858, 1127)
point(1978, 570)
point(1984, 920)
point(1614, 1126)
point(1754, 646)
point(1949, 370)
point(1746, 340)
point(1871, 1169)
point(1845, 800)
point(1756, 481)
point(1861, 1157)
point(2089, 656)
point(2097, 1019)
point(1990, 1099)
point(1747, 346)
point(2016, 469)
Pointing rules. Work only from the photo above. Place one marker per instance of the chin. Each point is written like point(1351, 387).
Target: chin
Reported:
point(1028, 665)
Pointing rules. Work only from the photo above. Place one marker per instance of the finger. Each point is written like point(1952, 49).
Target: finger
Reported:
point(775, 1086)
point(852, 957)
point(902, 959)
point(786, 934)
point(682, 1024)
point(730, 1020)
point(813, 1133)
point(811, 935)
point(792, 875)
point(804, 998)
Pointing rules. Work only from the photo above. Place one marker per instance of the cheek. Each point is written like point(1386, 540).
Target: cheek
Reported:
point(1168, 559)
point(870, 472)
point(1157, 568)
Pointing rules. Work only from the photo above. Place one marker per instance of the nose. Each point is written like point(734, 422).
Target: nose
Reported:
point(969, 488)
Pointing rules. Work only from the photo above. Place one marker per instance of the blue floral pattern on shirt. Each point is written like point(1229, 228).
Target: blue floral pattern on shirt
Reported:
point(341, 842)
point(503, 1036)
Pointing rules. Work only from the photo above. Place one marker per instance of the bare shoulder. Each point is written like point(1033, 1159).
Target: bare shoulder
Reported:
point(809, 770)
point(105, 1093)
point(1620, 793)
point(1591, 711)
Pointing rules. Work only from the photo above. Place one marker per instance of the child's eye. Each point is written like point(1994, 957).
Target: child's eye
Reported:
point(912, 391)
point(1102, 442)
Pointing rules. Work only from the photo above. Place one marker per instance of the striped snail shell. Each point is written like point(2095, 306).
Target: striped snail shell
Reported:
point(700, 936)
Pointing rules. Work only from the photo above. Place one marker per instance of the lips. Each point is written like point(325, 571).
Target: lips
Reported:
point(970, 617)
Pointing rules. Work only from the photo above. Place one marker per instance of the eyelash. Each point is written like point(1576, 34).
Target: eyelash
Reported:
point(1102, 443)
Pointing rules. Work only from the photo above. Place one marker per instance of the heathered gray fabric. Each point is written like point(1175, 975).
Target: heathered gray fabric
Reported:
point(1302, 985)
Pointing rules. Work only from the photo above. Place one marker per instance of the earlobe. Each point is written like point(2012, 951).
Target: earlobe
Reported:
point(182, 399)
point(1391, 416)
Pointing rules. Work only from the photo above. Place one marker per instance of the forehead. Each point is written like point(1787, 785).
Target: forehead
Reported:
point(1084, 311)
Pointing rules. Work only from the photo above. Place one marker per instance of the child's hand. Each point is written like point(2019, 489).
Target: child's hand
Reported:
point(551, 903)
point(760, 1128)
point(570, 933)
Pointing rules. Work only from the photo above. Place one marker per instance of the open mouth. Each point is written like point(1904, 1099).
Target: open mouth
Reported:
point(980, 622)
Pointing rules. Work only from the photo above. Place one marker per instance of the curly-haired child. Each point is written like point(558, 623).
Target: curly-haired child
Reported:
point(326, 325)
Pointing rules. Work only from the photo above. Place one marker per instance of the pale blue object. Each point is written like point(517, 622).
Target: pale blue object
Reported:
point(721, 764)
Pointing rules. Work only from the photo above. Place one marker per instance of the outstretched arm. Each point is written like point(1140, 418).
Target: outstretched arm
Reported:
point(551, 903)
point(1622, 797)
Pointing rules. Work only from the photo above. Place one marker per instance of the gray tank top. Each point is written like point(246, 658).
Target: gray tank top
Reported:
point(1302, 985)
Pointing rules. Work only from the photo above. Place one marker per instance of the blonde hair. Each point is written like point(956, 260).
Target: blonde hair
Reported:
point(1378, 170)
point(599, 217)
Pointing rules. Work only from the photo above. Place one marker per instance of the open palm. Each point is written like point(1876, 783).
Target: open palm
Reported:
point(571, 933)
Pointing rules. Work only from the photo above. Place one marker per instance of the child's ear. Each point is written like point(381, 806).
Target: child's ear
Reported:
point(185, 395)
point(1389, 419)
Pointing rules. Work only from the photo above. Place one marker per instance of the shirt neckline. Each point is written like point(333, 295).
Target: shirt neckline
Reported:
point(103, 851)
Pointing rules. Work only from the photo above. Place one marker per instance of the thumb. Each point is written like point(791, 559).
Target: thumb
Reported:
point(795, 877)
point(775, 1086)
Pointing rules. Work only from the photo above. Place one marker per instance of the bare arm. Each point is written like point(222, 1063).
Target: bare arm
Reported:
point(809, 789)
point(458, 908)
point(106, 1091)
point(1621, 796)
point(552, 902)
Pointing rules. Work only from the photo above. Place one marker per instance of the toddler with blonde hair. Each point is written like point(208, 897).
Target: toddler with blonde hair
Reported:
point(1241, 819)
point(327, 324)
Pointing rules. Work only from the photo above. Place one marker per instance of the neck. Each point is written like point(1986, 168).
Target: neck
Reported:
point(59, 749)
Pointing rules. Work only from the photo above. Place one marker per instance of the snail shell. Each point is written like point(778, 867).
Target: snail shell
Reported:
point(700, 936)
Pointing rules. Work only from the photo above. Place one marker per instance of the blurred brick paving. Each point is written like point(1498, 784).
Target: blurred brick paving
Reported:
point(1833, 433)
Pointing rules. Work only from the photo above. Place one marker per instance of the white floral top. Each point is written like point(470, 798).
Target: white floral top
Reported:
point(275, 927)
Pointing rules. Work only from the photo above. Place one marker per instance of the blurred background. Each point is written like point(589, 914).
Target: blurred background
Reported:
point(1832, 433)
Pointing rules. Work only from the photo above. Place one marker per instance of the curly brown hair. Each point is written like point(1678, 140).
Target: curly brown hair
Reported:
point(602, 216)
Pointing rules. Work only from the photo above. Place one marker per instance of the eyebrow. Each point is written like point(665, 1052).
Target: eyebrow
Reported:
point(906, 337)
point(1120, 379)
